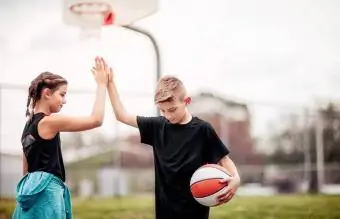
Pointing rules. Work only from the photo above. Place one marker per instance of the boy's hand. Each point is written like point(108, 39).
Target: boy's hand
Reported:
point(111, 76)
point(230, 190)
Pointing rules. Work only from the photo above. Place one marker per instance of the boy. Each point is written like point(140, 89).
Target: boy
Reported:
point(181, 144)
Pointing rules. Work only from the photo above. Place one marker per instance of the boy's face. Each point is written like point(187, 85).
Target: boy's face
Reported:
point(174, 111)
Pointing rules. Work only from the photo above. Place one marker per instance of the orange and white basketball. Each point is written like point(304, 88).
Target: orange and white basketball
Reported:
point(205, 184)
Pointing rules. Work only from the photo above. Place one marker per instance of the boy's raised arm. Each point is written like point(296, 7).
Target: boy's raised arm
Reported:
point(121, 114)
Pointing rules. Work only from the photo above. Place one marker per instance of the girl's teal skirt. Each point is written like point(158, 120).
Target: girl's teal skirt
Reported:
point(41, 195)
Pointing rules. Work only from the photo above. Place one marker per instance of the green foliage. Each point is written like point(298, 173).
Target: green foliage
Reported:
point(276, 207)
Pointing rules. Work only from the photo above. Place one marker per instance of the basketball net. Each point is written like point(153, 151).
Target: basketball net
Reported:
point(92, 23)
point(92, 16)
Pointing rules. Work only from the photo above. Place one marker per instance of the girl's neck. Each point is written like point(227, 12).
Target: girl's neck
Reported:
point(41, 108)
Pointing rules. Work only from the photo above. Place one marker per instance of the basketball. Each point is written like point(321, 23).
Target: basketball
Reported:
point(205, 184)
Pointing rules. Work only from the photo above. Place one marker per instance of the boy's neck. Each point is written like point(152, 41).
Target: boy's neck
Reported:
point(187, 118)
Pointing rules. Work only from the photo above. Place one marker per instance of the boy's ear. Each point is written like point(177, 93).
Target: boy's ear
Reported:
point(187, 100)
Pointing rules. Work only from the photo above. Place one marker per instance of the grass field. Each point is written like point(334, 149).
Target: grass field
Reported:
point(277, 207)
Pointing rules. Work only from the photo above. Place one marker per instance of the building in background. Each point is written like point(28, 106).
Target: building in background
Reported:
point(232, 122)
point(124, 167)
point(10, 173)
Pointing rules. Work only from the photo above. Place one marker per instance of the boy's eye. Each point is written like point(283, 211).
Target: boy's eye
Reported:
point(172, 110)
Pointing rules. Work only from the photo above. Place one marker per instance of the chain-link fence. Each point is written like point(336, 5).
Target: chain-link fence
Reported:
point(277, 148)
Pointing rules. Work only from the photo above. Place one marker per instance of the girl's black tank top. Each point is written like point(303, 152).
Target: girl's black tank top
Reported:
point(41, 154)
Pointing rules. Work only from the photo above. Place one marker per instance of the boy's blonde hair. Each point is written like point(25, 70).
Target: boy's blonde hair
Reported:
point(168, 89)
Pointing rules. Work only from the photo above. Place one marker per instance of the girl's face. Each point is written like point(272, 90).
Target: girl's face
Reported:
point(56, 98)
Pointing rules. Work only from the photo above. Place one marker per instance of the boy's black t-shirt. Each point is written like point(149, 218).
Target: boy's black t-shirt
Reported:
point(41, 154)
point(179, 149)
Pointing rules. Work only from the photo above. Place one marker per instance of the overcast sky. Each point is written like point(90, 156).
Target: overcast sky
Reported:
point(263, 51)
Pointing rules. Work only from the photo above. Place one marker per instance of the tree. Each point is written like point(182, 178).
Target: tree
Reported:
point(294, 137)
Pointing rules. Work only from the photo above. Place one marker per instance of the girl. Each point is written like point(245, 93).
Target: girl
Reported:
point(42, 192)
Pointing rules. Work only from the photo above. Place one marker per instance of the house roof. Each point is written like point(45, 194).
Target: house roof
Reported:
point(208, 103)
point(224, 100)
point(13, 155)
point(128, 154)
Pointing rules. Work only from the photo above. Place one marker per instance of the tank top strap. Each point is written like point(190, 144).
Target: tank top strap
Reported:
point(32, 125)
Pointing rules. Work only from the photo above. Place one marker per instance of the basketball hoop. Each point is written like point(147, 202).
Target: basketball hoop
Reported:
point(92, 16)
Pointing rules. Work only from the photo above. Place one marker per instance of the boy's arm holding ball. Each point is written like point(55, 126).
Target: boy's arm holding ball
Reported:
point(233, 184)
point(218, 153)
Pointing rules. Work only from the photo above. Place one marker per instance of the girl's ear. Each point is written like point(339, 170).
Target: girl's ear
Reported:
point(46, 93)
